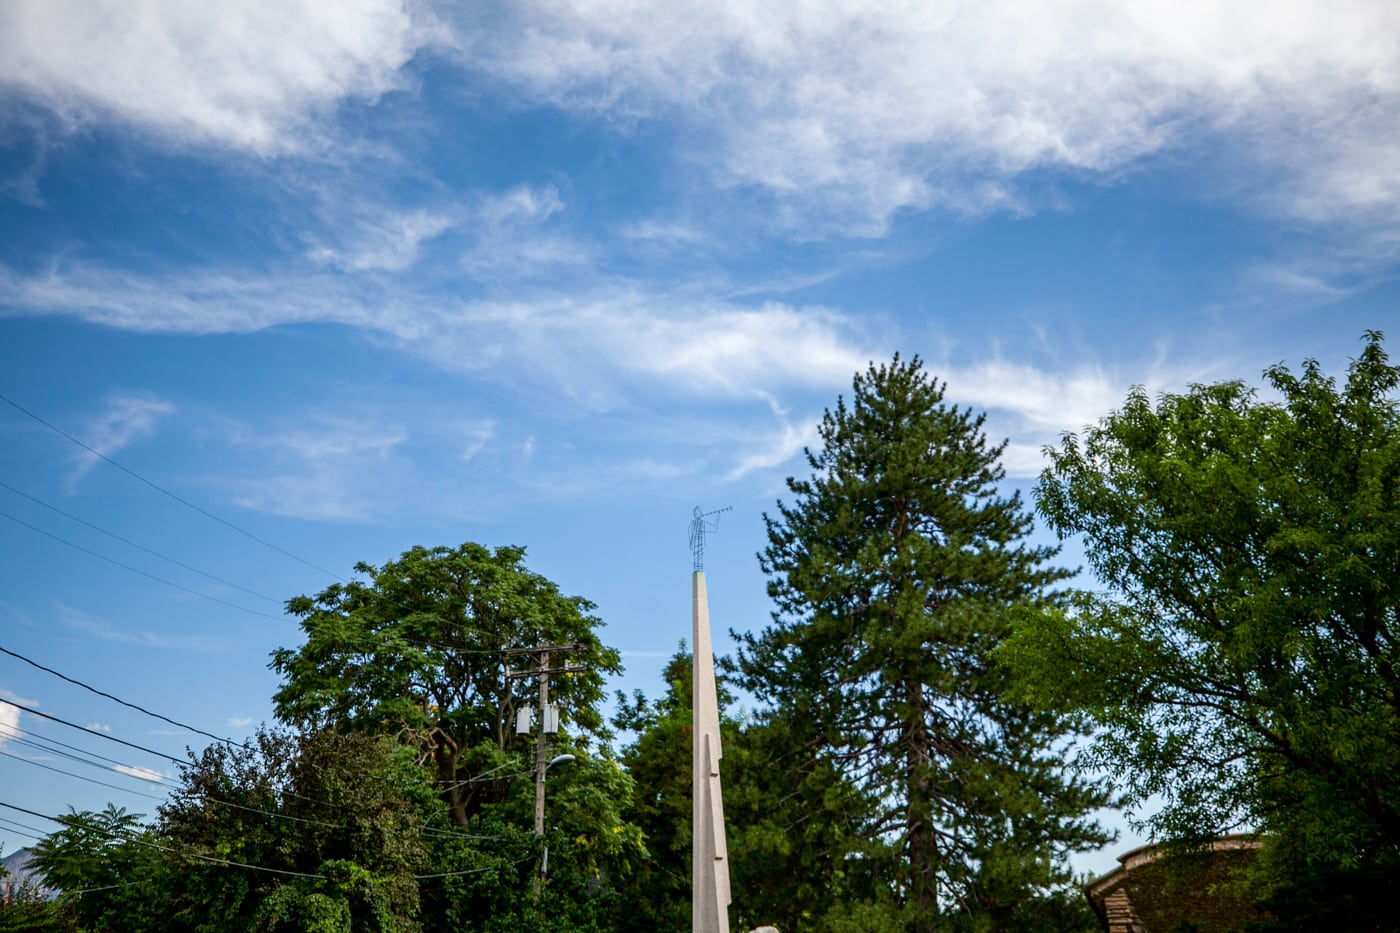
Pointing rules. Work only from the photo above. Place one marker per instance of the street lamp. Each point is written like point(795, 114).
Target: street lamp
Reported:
point(539, 815)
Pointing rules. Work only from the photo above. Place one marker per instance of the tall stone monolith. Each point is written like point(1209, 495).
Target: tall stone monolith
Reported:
point(709, 854)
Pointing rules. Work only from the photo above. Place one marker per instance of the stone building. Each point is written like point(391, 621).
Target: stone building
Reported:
point(1155, 891)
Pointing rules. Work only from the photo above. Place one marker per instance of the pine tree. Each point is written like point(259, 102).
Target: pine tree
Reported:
point(894, 573)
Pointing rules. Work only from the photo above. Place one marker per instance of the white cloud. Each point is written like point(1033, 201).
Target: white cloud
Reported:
point(381, 240)
point(9, 720)
point(1044, 399)
point(98, 727)
point(514, 240)
point(876, 107)
point(125, 420)
point(250, 74)
point(521, 203)
point(1035, 405)
point(588, 344)
point(193, 303)
point(477, 437)
point(847, 111)
point(595, 347)
point(239, 721)
point(145, 774)
point(780, 447)
point(318, 463)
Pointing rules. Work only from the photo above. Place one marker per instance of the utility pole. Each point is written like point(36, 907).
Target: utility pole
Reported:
point(548, 722)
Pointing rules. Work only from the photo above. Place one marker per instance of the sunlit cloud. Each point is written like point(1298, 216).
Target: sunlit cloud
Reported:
point(145, 774)
point(182, 70)
point(9, 719)
point(849, 112)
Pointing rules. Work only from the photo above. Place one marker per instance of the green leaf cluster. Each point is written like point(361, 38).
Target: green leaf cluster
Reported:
point(415, 651)
point(1242, 660)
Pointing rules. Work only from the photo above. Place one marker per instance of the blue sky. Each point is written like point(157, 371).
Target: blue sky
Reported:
point(355, 277)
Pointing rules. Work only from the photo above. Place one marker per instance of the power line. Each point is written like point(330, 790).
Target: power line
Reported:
point(81, 777)
point(140, 709)
point(219, 861)
point(163, 491)
point(152, 845)
point(174, 722)
point(54, 747)
point(184, 762)
point(21, 829)
point(140, 547)
point(100, 735)
point(112, 560)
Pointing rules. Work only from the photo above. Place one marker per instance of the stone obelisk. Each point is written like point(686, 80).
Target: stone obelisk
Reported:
point(709, 872)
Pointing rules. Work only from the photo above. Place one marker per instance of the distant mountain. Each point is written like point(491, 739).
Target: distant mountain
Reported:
point(18, 871)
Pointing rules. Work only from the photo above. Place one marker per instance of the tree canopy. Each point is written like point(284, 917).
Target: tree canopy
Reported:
point(1243, 659)
point(417, 650)
point(895, 571)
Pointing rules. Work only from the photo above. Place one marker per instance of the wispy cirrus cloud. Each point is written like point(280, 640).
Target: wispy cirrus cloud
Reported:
point(320, 464)
point(383, 239)
point(92, 626)
point(587, 343)
point(850, 111)
point(254, 75)
point(125, 419)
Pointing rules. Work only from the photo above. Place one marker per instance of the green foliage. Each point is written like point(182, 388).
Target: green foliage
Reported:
point(334, 822)
point(1243, 662)
point(895, 573)
point(657, 895)
point(415, 652)
point(1314, 898)
point(104, 864)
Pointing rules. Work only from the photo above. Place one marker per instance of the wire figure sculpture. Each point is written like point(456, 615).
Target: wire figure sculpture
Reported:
point(699, 527)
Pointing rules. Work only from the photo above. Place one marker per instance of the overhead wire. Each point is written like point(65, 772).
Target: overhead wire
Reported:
point(163, 491)
point(135, 544)
point(218, 861)
point(80, 777)
point(54, 747)
point(23, 830)
point(181, 588)
point(137, 570)
point(185, 762)
point(116, 699)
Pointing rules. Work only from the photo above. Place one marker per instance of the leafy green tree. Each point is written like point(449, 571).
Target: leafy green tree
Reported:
point(103, 864)
point(416, 652)
point(895, 572)
point(1243, 661)
point(315, 833)
point(658, 760)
